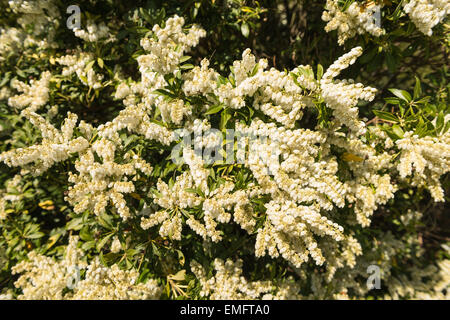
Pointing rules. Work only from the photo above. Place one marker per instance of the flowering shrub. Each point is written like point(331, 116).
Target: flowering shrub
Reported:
point(174, 151)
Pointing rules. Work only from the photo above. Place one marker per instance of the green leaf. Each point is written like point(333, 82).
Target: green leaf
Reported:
point(102, 259)
point(214, 109)
point(390, 62)
point(254, 70)
point(440, 122)
point(161, 15)
point(105, 221)
point(232, 80)
point(424, 100)
point(181, 258)
point(20, 73)
point(88, 245)
point(89, 66)
point(145, 15)
point(164, 93)
point(446, 127)
point(397, 12)
point(397, 131)
point(187, 66)
point(307, 72)
point(74, 224)
point(191, 190)
point(35, 235)
point(392, 100)
point(417, 89)
point(184, 58)
point(224, 117)
point(5, 79)
point(212, 173)
point(155, 250)
point(179, 276)
point(102, 242)
point(100, 62)
point(84, 79)
point(319, 71)
point(402, 94)
point(386, 116)
point(85, 235)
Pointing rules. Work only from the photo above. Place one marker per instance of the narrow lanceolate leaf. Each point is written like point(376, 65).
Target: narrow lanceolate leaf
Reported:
point(386, 116)
point(214, 109)
point(417, 89)
point(402, 94)
point(184, 58)
point(319, 71)
point(100, 62)
point(397, 131)
point(102, 242)
point(225, 116)
point(440, 122)
point(89, 65)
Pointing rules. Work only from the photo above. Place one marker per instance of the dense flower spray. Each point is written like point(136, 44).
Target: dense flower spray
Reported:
point(295, 203)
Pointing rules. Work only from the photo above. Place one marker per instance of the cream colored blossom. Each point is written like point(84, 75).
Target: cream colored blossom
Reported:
point(78, 64)
point(227, 283)
point(56, 146)
point(425, 14)
point(34, 95)
point(356, 19)
point(425, 160)
point(44, 278)
point(93, 32)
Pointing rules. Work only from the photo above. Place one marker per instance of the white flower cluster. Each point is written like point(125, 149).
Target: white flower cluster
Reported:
point(200, 79)
point(56, 145)
point(369, 188)
point(3, 204)
point(425, 14)
point(34, 95)
point(281, 97)
point(426, 160)
point(38, 20)
point(343, 95)
point(11, 40)
point(228, 283)
point(431, 282)
point(423, 282)
point(168, 46)
point(14, 192)
point(98, 183)
point(44, 278)
point(215, 205)
point(275, 93)
point(112, 283)
point(290, 156)
point(79, 64)
point(356, 19)
point(361, 18)
point(6, 296)
point(93, 32)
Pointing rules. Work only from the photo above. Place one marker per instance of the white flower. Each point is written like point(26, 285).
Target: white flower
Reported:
point(356, 19)
point(425, 14)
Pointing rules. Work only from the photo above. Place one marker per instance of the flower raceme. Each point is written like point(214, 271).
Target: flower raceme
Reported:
point(364, 18)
